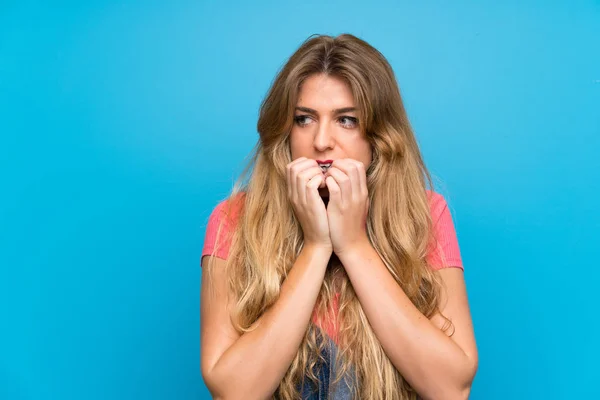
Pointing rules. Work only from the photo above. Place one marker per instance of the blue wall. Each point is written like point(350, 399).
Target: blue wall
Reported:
point(122, 125)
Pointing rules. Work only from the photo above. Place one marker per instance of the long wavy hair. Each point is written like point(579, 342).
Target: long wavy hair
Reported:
point(267, 238)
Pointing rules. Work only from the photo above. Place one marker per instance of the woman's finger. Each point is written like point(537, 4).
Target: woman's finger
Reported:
point(343, 183)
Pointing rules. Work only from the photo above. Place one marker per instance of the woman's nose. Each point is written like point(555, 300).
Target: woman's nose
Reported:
point(323, 138)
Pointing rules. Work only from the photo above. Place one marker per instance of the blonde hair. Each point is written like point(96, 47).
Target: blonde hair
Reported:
point(267, 238)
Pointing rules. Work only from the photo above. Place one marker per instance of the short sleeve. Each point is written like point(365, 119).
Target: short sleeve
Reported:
point(229, 217)
point(444, 250)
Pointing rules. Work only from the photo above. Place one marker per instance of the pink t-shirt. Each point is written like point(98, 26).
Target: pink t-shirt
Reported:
point(445, 255)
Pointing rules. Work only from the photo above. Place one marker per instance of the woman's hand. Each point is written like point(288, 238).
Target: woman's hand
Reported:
point(348, 205)
point(303, 179)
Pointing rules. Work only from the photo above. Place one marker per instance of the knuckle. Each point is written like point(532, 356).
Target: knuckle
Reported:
point(305, 175)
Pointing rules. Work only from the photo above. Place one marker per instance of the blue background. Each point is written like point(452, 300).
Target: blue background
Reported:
point(122, 125)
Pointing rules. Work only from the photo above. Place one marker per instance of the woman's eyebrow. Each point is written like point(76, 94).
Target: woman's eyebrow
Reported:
point(333, 112)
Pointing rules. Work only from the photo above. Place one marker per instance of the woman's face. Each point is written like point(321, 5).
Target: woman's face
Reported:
point(326, 123)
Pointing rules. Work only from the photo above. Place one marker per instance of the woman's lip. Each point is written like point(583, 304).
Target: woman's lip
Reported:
point(324, 161)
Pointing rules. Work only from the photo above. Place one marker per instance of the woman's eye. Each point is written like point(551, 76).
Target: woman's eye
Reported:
point(350, 122)
point(347, 122)
point(299, 119)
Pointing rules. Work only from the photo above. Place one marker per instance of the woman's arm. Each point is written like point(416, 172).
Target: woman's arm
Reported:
point(435, 365)
point(251, 366)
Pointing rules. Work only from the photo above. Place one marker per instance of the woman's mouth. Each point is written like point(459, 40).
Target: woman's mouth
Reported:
point(324, 165)
point(324, 168)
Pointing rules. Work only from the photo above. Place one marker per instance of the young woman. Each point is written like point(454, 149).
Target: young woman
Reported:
point(334, 272)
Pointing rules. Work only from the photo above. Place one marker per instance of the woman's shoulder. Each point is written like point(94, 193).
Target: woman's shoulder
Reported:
point(437, 202)
point(225, 214)
point(445, 251)
point(229, 207)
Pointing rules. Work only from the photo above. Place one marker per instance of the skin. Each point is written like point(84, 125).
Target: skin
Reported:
point(322, 134)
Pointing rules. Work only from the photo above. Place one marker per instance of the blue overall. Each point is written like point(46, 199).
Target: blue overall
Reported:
point(326, 374)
